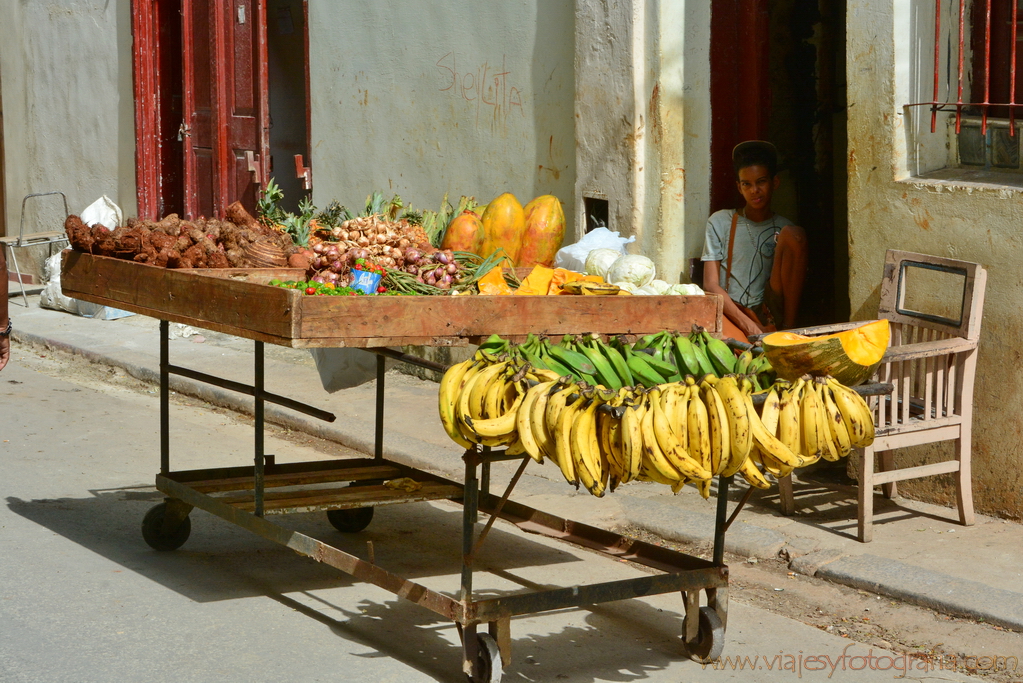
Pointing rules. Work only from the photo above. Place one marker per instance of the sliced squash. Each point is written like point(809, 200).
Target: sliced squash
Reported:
point(851, 357)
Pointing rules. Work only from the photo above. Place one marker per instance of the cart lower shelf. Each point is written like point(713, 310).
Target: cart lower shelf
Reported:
point(349, 489)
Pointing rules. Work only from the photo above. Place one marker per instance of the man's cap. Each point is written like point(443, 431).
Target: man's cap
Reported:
point(761, 146)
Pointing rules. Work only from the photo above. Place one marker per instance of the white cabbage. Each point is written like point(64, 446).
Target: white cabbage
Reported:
point(598, 261)
point(627, 286)
point(646, 289)
point(687, 290)
point(660, 286)
point(634, 268)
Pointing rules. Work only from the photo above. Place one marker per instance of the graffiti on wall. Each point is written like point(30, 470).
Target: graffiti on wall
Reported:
point(489, 90)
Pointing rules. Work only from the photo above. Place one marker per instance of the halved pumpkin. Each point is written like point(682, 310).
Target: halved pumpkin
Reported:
point(851, 357)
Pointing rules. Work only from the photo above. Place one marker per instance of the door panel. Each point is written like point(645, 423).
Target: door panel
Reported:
point(225, 103)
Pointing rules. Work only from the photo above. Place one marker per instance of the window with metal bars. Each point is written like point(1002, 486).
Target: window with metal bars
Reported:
point(975, 81)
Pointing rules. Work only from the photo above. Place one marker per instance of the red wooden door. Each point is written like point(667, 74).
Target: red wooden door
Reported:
point(226, 104)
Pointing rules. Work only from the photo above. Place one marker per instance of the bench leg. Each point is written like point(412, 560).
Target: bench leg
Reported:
point(964, 480)
point(865, 519)
point(786, 495)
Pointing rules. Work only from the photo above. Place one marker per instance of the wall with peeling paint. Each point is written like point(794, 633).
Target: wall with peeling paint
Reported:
point(457, 97)
point(889, 208)
point(643, 123)
point(68, 109)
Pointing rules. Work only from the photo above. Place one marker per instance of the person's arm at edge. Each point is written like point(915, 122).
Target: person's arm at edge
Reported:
point(5, 341)
point(711, 284)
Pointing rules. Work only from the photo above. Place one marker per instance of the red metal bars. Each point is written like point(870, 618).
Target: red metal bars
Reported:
point(1012, 70)
point(994, 35)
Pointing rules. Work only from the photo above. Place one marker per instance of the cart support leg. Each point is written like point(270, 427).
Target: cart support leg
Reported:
point(719, 523)
point(175, 514)
point(501, 632)
point(164, 398)
point(717, 600)
point(470, 651)
point(470, 503)
point(692, 608)
point(378, 444)
point(258, 412)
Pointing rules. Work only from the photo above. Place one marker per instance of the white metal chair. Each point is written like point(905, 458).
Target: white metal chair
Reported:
point(11, 243)
point(931, 362)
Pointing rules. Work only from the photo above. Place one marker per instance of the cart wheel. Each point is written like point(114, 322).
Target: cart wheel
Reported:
point(350, 521)
point(156, 537)
point(488, 660)
point(710, 640)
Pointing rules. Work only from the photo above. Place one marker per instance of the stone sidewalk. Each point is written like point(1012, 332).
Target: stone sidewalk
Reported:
point(920, 554)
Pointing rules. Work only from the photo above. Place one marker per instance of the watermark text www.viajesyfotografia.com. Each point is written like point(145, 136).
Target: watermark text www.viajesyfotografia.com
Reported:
point(899, 664)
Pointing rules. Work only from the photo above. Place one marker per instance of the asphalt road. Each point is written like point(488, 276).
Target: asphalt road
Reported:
point(83, 598)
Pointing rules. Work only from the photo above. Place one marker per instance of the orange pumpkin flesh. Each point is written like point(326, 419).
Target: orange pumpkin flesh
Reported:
point(851, 356)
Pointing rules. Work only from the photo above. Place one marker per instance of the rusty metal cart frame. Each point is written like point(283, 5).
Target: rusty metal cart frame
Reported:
point(348, 489)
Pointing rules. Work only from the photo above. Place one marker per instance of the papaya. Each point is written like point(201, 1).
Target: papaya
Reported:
point(464, 233)
point(851, 356)
point(504, 221)
point(545, 228)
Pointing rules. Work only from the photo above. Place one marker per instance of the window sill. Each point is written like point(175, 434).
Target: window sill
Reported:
point(970, 178)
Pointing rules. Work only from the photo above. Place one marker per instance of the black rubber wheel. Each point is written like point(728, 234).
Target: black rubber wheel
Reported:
point(153, 533)
point(350, 521)
point(710, 640)
point(488, 660)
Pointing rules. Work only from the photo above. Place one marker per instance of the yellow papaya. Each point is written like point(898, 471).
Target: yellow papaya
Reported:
point(504, 221)
point(464, 233)
point(545, 228)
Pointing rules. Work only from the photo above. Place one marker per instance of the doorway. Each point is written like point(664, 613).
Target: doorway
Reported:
point(778, 74)
point(221, 94)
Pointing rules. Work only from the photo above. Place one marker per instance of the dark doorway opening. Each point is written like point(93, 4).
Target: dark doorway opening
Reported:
point(778, 73)
point(287, 37)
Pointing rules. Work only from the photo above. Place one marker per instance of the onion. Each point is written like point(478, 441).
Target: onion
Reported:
point(318, 248)
point(412, 269)
point(330, 276)
point(344, 236)
point(452, 268)
point(444, 285)
point(447, 279)
point(363, 241)
point(442, 257)
point(439, 272)
point(404, 243)
point(319, 278)
point(413, 255)
point(430, 279)
point(336, 266)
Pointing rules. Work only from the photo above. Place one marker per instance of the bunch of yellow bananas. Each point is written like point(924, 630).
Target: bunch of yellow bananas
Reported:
point(811, 418)
point(673, 433)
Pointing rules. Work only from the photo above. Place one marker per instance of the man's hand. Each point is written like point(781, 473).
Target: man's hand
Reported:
point(5, 351)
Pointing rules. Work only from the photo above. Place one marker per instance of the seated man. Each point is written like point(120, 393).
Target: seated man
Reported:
point(752, 256)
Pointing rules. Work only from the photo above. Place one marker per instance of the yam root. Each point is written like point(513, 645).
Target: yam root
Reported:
point(237, 214)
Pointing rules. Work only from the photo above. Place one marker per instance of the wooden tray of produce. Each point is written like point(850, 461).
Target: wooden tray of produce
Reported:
point(240, 302)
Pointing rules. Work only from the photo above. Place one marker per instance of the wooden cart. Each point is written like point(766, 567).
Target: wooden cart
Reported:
point(240, 303)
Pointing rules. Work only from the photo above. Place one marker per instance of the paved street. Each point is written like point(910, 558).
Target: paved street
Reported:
point(85, 599)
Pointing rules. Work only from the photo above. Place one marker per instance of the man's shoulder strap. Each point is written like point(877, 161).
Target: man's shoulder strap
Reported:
point(731, 245)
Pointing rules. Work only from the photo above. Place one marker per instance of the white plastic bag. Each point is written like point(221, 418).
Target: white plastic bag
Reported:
point(346, 368)
point(53, 297)
point(573, 257)
point(103, 211)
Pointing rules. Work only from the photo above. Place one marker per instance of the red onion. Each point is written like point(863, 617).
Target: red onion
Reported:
point(444, 285)
point(412, 269)
point(319, 278)
point(318, 247)
point(442, 257)
point(430, 279)
point(452, 268)
point(413, 255)
point(336, 266)
point(446, 279)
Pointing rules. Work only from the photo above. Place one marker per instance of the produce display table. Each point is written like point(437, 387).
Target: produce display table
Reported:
point(239, 302)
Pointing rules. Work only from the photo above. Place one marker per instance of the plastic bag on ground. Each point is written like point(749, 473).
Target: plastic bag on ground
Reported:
point(573, 256)
point(53, 298)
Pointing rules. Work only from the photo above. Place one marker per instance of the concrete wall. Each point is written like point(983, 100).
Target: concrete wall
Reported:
point(68, 109)
point(643, 123)
point(463, 97)
point(888, 208)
